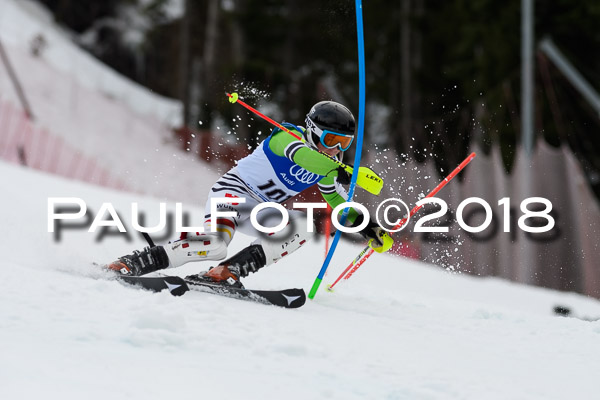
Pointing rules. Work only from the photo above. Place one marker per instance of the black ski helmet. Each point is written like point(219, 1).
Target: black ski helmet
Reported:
point(331, 116)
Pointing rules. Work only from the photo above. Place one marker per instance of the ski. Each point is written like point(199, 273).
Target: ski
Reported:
point(177, 286)
point(174, 284)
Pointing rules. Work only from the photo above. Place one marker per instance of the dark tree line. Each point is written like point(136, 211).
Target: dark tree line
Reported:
point(446, 72)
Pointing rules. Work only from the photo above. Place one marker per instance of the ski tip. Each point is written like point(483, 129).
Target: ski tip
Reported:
point(295, 298)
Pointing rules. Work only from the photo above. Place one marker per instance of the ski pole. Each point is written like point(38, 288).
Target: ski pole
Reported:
point(367, 251)
point(234, 98)
point(148, 239)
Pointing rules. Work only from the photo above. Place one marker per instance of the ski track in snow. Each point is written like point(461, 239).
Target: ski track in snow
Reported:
point(398, 329)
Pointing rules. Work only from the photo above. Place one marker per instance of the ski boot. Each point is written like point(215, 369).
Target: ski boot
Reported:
point(141, 262)
point(229, 272)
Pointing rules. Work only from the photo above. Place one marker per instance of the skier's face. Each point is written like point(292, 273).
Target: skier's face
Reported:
point(330, 152)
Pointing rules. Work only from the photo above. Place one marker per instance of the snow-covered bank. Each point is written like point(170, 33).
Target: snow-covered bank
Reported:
point(22, 22)
point(396, 330)
point(86, 116)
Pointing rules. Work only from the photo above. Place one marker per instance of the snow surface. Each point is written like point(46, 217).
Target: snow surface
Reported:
point(397, 330)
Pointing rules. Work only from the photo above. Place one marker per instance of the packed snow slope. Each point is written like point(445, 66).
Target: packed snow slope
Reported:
point(396, 330)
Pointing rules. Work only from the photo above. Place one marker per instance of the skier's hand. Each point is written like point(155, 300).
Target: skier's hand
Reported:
point(343, 176)
point(379, 239)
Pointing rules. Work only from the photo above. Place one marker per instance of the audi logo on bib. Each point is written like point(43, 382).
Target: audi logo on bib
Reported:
point(302, 175)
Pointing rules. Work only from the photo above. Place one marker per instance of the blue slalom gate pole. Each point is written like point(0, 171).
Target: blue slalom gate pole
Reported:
point(359, 143)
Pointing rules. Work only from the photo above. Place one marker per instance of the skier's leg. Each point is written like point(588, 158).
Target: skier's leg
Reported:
point(173, 254)
point(262, 252)
point(218, 230)
point(195, 246)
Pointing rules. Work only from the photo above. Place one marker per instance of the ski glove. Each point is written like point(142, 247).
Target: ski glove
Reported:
point(343, 176)
point(379, 239)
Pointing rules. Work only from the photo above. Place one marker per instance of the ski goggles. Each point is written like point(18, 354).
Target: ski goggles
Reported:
point(331, 139)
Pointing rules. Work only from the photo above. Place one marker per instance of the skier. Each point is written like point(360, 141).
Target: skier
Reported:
point(278, 169)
